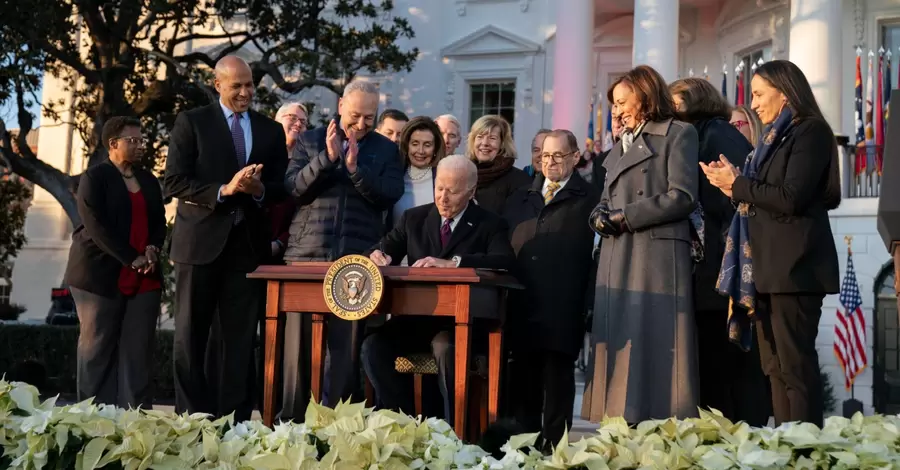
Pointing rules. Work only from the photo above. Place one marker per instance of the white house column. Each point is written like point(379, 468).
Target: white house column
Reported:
point(572, 67)
point(655, 40)
point(815, 46)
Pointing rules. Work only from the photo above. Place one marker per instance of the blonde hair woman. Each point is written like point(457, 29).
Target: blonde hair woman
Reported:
point(490, 145)
point(745, 120)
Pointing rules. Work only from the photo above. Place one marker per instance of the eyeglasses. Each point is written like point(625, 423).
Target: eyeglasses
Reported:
point(739, 124)
point(292, 118)
point(557, 157)
point(133, 140)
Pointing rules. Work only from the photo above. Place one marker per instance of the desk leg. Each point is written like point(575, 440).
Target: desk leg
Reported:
point(318, 355)
point(461, 366)
point(495, 359)
point(274, 342)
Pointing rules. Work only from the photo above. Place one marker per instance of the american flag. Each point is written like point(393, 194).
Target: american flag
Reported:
point(850, 329)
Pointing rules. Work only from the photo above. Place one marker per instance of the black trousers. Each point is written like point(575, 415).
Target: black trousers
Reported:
point(296, 366)
point(787, 329)
point(731, 380)
point(544, 383)
point(401, 336)
point(219, 293)
point(342, 379)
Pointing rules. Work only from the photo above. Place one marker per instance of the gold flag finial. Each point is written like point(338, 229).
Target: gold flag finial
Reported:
point(848, 239)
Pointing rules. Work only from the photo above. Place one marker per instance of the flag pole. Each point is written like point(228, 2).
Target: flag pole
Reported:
point(852, 405)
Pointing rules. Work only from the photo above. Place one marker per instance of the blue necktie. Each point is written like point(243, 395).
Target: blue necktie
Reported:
point(240, 149)
point(237, 135)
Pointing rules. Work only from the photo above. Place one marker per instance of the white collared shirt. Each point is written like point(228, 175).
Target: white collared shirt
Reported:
point(455, 219)
point(245, 126)
point(562, 184)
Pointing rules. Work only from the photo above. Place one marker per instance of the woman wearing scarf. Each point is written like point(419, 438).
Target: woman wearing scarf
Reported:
point(490, 146)
point(643, 340)
point(780, 260)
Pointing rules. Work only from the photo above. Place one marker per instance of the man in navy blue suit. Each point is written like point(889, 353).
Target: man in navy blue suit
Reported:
point(343, 178)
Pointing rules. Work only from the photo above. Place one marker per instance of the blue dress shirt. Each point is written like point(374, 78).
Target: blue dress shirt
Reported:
point(244, 117)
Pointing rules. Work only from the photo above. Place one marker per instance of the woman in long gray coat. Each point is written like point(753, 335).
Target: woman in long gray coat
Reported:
point(644, 356)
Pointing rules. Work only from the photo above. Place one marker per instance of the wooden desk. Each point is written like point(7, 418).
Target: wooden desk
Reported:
point(463, 293)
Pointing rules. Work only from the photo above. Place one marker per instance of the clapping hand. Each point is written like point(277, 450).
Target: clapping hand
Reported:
point(721, 174)
point(380, 258)
point(333, 141)
point(352, 153)
point(251, 181)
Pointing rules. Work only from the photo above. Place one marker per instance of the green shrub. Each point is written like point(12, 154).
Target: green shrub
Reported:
point(54, 347)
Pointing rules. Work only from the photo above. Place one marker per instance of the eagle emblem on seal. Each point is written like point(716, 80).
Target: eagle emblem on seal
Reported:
point(355, 288)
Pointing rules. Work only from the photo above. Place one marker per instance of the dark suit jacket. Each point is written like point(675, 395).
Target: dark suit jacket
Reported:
point(100, 245)
point(553, 245)
point(201, 159)
point(790, 235)
point(479, 239)
point(717, 137)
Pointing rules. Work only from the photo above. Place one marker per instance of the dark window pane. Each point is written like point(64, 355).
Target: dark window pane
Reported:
point(491, 87)
point(492, 100)
point(508, 98)
point(477, 96)
point(474, 115)
point(509, 115)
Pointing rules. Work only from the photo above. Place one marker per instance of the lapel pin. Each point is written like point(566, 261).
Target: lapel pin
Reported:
point(470, 223)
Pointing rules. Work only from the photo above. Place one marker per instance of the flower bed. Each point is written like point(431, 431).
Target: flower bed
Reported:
point(86, 436)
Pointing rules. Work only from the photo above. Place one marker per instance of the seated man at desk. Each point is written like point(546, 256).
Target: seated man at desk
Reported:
point(452, 232)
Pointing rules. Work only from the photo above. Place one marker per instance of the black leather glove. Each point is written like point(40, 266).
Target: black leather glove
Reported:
point(617, 218)
point(599, 219)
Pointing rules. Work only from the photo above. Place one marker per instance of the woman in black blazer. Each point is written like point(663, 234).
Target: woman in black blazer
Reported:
point(730, 377)
point(113, 271)
point(780, 259)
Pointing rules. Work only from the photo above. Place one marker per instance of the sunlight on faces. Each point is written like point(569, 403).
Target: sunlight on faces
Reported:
point(129, 147)
point(234, 82)
point(450, 133)
point(628, 105)
point(766, 100)
point(487, 145)
point(558, 160)
point(742, 123)
point(679, 103)
point(536, 147)
point(421, 148)
point(294, 122)
point(358, 111)
point(391, 128)
point(452, 192)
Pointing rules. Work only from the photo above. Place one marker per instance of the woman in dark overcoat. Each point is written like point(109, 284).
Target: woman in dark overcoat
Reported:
point(643, 340)
point(553, 245)
point(731, 379)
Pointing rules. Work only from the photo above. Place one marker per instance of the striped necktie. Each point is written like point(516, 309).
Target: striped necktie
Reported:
point(552, 187)
point(240, 150)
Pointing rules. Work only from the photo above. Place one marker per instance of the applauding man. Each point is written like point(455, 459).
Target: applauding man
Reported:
point(224, 161)
point(452, 232)
point(343, 178)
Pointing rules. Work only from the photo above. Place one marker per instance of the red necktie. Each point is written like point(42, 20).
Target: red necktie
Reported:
point(445, 232)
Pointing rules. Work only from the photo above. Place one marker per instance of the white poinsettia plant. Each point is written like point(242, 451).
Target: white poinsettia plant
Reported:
point(37, 435)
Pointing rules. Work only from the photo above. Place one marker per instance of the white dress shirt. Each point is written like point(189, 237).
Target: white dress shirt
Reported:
point(562, 184)
point(456, 220)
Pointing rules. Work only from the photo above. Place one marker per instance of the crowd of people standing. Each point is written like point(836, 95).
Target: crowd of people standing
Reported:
point(696, 252)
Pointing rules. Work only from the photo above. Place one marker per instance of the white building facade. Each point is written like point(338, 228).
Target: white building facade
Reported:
point(540, 62)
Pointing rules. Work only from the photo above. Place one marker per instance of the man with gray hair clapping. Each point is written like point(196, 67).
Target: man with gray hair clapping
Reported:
point(343, 178)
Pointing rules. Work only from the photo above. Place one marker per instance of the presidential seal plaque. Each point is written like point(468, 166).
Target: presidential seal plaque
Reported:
point(353, 287)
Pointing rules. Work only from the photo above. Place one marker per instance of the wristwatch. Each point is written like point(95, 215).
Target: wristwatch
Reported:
point(456, 259)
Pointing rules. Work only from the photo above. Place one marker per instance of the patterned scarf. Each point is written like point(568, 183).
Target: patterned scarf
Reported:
point(736, 276)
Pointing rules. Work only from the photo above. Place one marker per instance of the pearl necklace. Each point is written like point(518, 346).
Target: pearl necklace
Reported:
point(418, 174)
